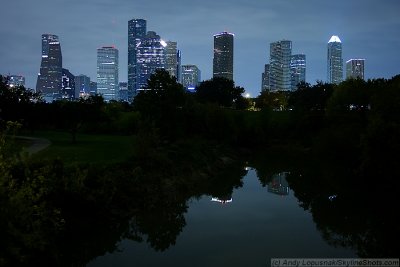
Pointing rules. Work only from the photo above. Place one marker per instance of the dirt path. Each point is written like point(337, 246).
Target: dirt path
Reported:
point(37, 144)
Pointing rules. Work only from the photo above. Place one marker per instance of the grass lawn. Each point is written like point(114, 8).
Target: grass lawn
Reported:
point(89, 148)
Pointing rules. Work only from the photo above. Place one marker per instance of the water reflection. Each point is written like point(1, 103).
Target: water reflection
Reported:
point(223, 200)
point(169, 212)
point(278, 184)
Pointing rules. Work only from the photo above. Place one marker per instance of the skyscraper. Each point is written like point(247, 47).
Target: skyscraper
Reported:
point(223, 55)
point(82, 85)
point(265, 78)
point(355, 68)
point(93, 88)
point(68, 85)
point(191, 76)
point(280, 58)
point(136, 31)
point(171, 59)
point(150, 57)
point(123, 91)
point(107, 72)
point(49, 81)
point(335, 61)
point(297, 70)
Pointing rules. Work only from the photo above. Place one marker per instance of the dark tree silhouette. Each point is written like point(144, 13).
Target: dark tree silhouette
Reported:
point(220, 91)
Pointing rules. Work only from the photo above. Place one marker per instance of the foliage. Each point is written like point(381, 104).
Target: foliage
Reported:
point(220, 91)
point(17, 103)
point(272, 100)
point(310, 98)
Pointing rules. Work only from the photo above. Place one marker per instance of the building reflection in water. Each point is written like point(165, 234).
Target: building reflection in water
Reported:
point(278, 184)
point(222, 200)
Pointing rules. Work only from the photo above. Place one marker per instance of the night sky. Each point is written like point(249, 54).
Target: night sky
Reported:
point(368, 29)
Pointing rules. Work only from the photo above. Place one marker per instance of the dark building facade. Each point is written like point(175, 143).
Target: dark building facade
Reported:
point(223, 55)
point(49, 81)
point(136, 31)
point(265, 78)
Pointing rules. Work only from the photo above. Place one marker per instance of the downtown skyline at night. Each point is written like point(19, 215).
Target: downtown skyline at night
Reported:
point(367, 29)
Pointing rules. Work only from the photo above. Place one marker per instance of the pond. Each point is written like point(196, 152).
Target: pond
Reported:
point(258, 220)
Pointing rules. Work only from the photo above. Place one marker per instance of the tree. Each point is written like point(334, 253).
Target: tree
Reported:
point(272, 100)
point(162, 94)
point(311, 98)
point(16, 102)
point(220, 91)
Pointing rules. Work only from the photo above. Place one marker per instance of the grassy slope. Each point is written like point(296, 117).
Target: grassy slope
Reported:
point(89, 148)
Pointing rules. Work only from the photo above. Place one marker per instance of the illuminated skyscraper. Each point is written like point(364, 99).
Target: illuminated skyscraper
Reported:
point(335, 61)
point(172, 60)
point(355, 68)
point(68, 85)
point(150, 57)
point(297, 70)
point(107, 73)
point(136, 31)
point(49, 81)
point(82, 85)
point(223, 55)
point(280, 58)
point(191, 76)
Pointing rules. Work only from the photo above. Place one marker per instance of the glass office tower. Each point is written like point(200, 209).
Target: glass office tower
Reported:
point(223, 55)
point(191, 76)
point(297, 70)
point(150, 57)
point(280, 58)
point(355, 69)
point(335, 61)
point(136, 31)
point(49, 81)
point(107, 73)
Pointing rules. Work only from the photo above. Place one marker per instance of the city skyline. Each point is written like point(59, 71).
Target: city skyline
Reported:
point(368, 29)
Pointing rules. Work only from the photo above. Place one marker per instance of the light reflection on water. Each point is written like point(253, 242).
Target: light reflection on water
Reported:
point(259, 223)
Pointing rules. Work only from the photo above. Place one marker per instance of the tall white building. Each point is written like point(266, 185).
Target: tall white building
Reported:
point(335, 61)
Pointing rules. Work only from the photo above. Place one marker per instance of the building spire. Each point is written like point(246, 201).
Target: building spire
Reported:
point(334, 39)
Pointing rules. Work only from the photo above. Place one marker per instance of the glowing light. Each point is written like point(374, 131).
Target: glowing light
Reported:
point(215, 199)
point(247, 95)
point(334, 39)
point(163, 43)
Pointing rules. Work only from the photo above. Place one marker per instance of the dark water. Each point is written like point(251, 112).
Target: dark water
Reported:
point(260, 220)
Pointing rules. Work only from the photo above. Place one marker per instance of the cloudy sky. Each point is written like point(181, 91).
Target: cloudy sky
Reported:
point(368, 29)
